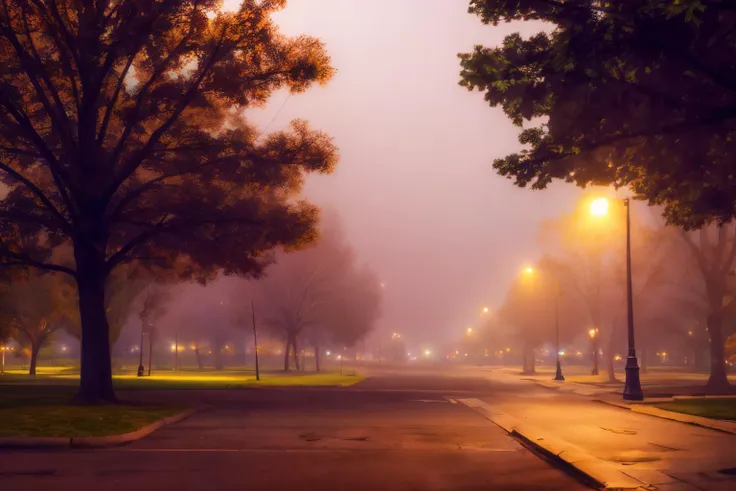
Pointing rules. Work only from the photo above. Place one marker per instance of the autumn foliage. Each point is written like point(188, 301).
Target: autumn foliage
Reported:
point(122, 133)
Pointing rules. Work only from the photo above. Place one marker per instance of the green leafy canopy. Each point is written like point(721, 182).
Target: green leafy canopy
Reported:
point(637, 93)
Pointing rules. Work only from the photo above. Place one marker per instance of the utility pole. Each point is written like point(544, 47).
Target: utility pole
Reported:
point(176, 350)
point(255, 339)
point(141, 370)
point(150, 348)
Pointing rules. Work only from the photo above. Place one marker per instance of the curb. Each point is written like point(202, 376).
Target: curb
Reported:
point(710, 424)
point(592, 470)
point(95, 441)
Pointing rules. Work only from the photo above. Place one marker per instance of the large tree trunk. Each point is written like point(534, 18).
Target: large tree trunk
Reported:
point(296, 354)
point(287, 354)
point(718, 380)
point(35, 347)
point(316, 357)
point(95, 384)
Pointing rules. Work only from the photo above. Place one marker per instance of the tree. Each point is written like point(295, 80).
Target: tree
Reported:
point(38, 306)
point(585, 264)
point(319, 293)
point(714, 252)
point(122, 134)
point(631, 93)
point(527, 308)
point(349, 313)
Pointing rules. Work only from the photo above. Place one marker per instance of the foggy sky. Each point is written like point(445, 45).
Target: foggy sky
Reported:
point(415, 187)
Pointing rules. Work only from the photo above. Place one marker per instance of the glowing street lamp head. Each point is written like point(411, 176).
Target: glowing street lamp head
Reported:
point(599, 207)
point(592, 332)
point(485, 310)
point(470, 330)
point(528, 270)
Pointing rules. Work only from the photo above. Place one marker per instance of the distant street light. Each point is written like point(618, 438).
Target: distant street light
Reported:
point(485, 310)
point(632, 388)
point(470, 331)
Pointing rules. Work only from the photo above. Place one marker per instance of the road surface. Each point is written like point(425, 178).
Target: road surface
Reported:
point(393, 432)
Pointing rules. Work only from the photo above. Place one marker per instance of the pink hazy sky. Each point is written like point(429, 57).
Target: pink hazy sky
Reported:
point(415, 186)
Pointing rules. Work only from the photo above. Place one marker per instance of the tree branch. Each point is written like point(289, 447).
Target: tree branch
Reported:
point(728, 263)
point(24, 260)
point(63, 223)
point(696, 252)
point(153, 140)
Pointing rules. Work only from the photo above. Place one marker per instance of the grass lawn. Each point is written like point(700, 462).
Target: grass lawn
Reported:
point(39, 406)
point(714, 408)
point(204, 380)
point(35, 410)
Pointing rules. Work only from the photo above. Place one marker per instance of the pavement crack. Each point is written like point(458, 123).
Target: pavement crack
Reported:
point(357, 439)
point(665, 447)
point(618, 431)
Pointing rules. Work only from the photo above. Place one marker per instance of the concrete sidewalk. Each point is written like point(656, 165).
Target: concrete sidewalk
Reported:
point(613, 397)
point(619, 448)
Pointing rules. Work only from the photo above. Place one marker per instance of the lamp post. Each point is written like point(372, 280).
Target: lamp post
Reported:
point(558, 371)
point(632, 387)
point(141, 370)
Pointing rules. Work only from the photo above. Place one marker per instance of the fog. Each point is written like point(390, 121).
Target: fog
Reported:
point(415, 187)
point(418, 198)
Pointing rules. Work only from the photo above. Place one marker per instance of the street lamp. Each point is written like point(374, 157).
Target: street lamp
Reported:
point(558, 371)
point(469, 331)
point(141, 369)
point(632, 388)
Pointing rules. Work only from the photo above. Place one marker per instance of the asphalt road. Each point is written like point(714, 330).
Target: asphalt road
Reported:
point(392, 432)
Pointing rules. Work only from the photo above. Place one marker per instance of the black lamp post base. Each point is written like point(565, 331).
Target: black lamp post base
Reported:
point(632, 389)
point(594, 371)
point(140, 370)
point(558, 374)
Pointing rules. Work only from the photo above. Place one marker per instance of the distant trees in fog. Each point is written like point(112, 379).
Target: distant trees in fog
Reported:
point(683, 287)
